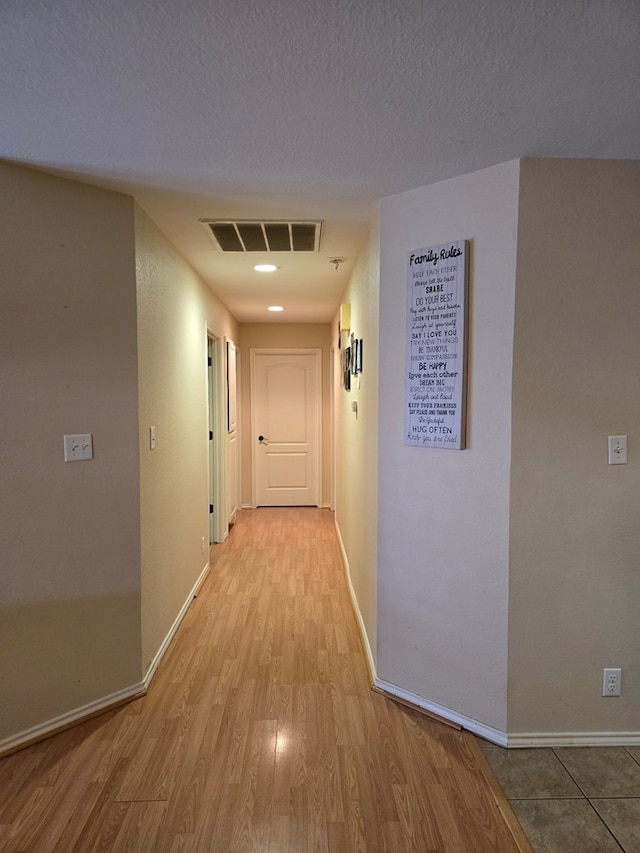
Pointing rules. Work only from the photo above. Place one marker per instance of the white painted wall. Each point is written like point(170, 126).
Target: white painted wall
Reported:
point(575, 524)
point(174, 308)
point(70, 565)
point(443, 515)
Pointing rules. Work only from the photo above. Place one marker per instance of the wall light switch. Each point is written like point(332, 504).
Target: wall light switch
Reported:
point(78, 447)
point(617, 445)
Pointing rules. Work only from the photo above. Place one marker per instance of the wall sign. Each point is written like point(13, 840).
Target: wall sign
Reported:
point(435, 372)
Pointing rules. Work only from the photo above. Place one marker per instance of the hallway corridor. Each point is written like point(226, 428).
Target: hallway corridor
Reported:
point(260, 732)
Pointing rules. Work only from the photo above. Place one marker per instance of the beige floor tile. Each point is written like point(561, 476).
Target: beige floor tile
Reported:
point(530, 773)
point(602, 771)
point(563, 826)
point(622, 817)
point(634, 751)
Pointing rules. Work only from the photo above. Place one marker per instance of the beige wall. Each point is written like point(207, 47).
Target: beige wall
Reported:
point(508, 572)
point(356, 442)
point(443, 515)
point(575, 527)
point(318, 335)
point(174, 310)
point(70, 566)
point(101, 322)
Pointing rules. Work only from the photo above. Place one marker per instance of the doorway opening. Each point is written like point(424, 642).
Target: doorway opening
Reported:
point(286, 420)
point(216, 439)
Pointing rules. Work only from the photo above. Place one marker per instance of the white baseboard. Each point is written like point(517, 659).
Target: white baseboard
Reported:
point(487, 732)
point(167, 640)
point(71, 718)
point(540, 739)
point(518, 740)
point(356, 608)
point(105, 703)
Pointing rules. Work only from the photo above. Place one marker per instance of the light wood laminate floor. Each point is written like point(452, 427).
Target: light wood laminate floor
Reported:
point(260, 732)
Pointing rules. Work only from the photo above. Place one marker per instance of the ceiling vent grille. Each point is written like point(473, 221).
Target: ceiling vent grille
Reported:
point(248, 235)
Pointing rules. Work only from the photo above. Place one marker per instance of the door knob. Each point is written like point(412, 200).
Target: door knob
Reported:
point(262, 439)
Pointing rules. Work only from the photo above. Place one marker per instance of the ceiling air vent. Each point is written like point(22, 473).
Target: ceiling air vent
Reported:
point(274, 236)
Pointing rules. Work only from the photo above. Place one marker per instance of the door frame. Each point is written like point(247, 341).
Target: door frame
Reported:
point(233, 430)
point(216, 423)
point(317, 353)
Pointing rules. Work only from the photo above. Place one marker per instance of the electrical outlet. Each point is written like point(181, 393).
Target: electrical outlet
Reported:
point(611, 682)
point(203, 540)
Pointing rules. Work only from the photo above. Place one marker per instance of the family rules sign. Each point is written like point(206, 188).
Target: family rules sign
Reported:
point(436, 346)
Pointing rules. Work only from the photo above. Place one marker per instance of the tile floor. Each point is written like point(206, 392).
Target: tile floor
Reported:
point(573, 799)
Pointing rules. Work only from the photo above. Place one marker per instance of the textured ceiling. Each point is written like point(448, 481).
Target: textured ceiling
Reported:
point(307, 109)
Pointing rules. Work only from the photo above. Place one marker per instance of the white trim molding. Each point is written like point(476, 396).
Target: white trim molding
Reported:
point(172, 631)
point(356, 607)
point(468, 723)
point(520, 740)
point(316, 353)
point(71, 718)
point(105, 703)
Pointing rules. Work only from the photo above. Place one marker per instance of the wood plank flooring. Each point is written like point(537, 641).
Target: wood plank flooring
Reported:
point(260, 733)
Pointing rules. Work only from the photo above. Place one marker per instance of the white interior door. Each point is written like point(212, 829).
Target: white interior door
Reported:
point(218, 527)
point(286, 405)
point(232, 431)
point(211, 368)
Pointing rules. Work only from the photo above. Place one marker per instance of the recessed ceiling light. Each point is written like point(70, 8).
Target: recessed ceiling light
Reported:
point(265, 268)
point(275, 308)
